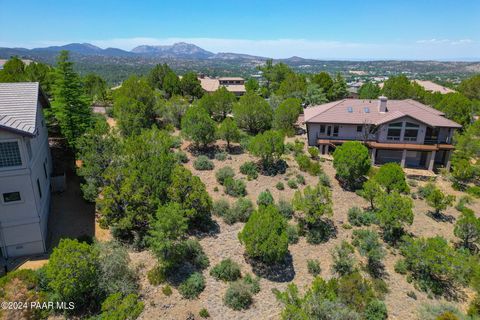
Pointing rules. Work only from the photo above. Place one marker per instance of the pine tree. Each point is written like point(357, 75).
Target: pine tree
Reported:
point(70, 105)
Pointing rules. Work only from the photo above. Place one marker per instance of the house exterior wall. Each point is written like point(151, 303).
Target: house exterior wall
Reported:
point(23, 224)
point(383, 130)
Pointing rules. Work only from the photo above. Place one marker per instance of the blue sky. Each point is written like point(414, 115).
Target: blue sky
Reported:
point(402, 29)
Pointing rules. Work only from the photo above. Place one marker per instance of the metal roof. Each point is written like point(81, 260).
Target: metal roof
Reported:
point(18, 106)
point(336, 112)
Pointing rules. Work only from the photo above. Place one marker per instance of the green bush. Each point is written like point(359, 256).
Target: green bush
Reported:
point(324, 179)
point(156, 275)
point(314, 152)
point(303, 162)
point(292, 234)
point(223, 173)
point(280, 186)
point(463, 202)
point(400, 267)
point(292, 184)
point(285, 208)
point(220, 207)
point(300, 179)
point(314, 169)
point(474, 191)
point(249, 169)
point(204, 313)
point(167, 290)
point(265, 198)
point(376, 310)
point(203, 163)
point(344, 259)
point(264, 235)
point(238, 296)
point(192, 252)
point(234, 187)
point(221, 156)
point(181, 157)
point(313, 267)
point(424, 192)
point(253, 283)
point(117, 307)
point(192, 286)
point(358, 217)
point(239, 212)
point(226, 270)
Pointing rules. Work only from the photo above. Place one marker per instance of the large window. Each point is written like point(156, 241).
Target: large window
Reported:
point(11, 197)
point(411, 132)
point(394, 131)
point(10, 154)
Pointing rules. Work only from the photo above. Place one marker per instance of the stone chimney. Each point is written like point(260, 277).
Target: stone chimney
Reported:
point(382, 104)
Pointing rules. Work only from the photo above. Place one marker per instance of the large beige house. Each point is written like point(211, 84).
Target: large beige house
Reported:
point(25, 168)
point(403, 131)
point(232, 84)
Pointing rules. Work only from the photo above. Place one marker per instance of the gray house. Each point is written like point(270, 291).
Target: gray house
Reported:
point(25, 167)
point(403, 131)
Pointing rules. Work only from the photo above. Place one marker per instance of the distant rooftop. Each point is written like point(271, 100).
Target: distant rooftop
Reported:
point(18, 106)
point(357, 111)
point(429, 86)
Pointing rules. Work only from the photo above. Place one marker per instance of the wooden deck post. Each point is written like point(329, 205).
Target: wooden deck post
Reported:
point(404, 158)
point(432, 160)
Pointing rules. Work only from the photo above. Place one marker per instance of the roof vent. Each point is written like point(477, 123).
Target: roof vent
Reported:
point(349, 109)
point(366, 109)
point(382, 104)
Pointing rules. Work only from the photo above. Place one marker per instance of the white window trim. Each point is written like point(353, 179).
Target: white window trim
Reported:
point(22, 154)
point(22, 200)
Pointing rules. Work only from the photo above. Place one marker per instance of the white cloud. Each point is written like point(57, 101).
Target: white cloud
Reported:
point(282, 48)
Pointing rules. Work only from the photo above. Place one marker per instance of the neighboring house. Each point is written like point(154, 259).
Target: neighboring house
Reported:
point(25, 168)
point(403, 131)
point(429, 86)
point(233, 84)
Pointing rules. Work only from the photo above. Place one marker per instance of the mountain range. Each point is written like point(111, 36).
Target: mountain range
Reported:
point(180, 50)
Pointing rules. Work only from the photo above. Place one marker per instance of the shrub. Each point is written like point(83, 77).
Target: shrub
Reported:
point(192, 252)
point(400, 267)
point(192, 286)
point(439, 201)
point(181, 157)
point(238, 296)
point(292, 234)
point(343, 259)
point(392, 178)
point(204, 313)
point(167, 290)
point(474, 306)
point(292, 184)
point(203, 163)
point(156, 275)
point(358, 217)
point(424, 191)
point(300, 179)
point(434, 311)
point(264, 235)
point(234, 187)
point(285, 208)
point(226, 270)
point(369, 246)
point(265, 198)
point(115, 275)
point(280, 185)
point(239, 212)
point(220, 207)
point(221, 156)
point(324, 179)
point(72, 272)
point(314, 169)
point(313, 267)
point(352, 162)
point(474, 191)
point(253, 283)
point(118, 307)
point(376, 310)
point(249, 169)
point(223, 173)
point(303, 162)
point(314, 152)
point(463, 202)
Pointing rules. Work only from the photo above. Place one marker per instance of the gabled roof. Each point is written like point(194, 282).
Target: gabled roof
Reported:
point(354, 111)
point(18, 106)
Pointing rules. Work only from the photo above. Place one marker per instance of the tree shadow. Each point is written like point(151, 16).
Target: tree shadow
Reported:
point(279, 272)
point(278, 167)
point(235, 150)
point(321, 232)
point(441, 217)
point(208, 151)
point(349, 185)
point(209, 228)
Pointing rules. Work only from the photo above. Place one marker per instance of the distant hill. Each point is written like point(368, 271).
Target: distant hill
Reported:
point(177, 50)
point(115, 64)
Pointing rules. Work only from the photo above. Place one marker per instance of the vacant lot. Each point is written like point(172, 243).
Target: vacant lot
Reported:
point(225, 244)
